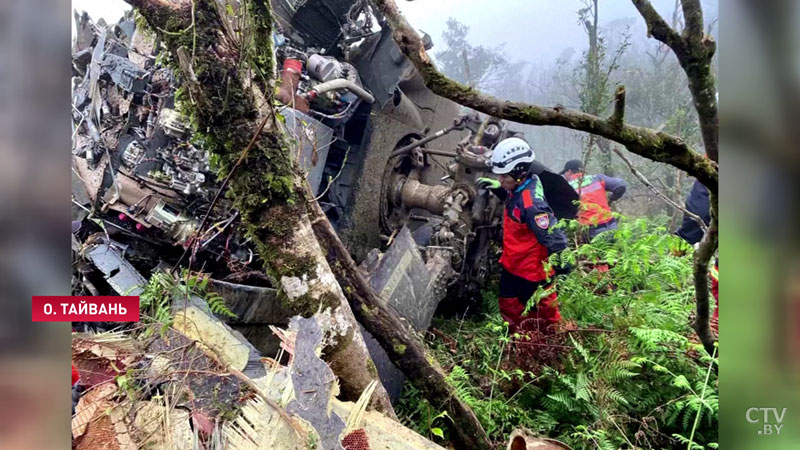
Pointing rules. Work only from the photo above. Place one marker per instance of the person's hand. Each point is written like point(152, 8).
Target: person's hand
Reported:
point(488, 183)
point(563, 268)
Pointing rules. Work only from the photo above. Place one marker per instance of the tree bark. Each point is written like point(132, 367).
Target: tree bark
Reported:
point(694, 51)
point(397, 338)
point(226, 108)
point(654, 145)
point(702, 257)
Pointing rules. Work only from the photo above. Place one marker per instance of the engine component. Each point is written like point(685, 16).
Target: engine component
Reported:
point(410, 193)
point(326, 68)
point(341, 83)
point(491, 133)
point(133, 154)
point(176, 223)
point(170, 121)
point(187, 157)
point(183, 180)
point(290, 81)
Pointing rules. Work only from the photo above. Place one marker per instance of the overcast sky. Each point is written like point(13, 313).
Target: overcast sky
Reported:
point(532, 30)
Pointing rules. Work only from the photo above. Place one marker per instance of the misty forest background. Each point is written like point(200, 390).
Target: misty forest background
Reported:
point(615, 52)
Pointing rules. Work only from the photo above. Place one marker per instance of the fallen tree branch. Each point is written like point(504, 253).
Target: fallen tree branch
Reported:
point(654, 145)
point(660, 194)
point(396, 337)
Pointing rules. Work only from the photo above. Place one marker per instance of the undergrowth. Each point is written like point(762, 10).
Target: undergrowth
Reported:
point(155, 302)
point(629, 376)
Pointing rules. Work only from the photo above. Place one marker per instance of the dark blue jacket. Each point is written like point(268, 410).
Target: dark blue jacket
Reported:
point(697, 203)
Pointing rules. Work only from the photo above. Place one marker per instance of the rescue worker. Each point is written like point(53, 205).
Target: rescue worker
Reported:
point(595, 211)
point(698, 203)
point(529, 236)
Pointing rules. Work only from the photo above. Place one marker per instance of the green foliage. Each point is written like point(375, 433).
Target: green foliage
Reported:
point(155, 302)
point(421, 416)
point(629, 376)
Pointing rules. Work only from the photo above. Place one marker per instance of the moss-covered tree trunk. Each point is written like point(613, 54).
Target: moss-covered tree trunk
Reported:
point(227, 109)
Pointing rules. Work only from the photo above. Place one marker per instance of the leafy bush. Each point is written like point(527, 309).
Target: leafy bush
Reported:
point(630, 376)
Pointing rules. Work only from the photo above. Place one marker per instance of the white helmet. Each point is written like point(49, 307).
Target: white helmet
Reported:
point(510, 153)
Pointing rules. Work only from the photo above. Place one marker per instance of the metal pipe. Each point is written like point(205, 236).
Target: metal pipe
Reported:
point(417, 195)
point(341, 83)
point(423, 141)
point(439, 152)
point(290, 80)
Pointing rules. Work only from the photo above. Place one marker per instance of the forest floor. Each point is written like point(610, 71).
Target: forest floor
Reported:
point(630, 375)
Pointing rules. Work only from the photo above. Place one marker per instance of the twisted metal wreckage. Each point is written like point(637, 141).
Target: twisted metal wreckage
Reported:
point(361, 119)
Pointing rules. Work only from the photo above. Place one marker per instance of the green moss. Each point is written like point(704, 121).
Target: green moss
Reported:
point(304, 306)
point(398, 347)
point(371, 368)
point(223, 117)
point(307, 305)
point(365, 310)
point(531, 114)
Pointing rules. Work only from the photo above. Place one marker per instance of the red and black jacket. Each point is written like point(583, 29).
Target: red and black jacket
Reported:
point(529, 236)
point(594, 210)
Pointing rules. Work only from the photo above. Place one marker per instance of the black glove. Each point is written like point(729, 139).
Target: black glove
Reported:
point(560, 266)
point(563, 269)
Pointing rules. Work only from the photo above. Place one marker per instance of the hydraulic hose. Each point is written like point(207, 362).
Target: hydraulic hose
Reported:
point(341, 83)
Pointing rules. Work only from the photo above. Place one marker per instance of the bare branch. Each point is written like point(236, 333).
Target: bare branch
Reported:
point(657, 146)
point(660, 194)
point(658, 28)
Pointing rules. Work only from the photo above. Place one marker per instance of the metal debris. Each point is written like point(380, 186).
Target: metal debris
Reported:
point(315, 386)
point(119, 273)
